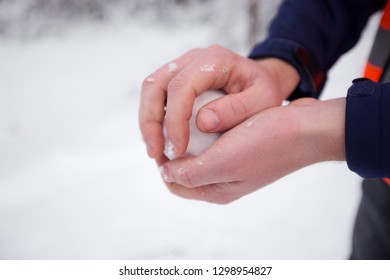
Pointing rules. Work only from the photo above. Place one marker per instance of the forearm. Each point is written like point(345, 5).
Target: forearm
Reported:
point(321, 129)
point(355, 129)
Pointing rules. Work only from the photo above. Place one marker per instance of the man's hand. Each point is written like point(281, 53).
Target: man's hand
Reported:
point(250, 87)
point(262, 149)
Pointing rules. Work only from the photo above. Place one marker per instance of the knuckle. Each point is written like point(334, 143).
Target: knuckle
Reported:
point(238, 105)
point(185, 177)
point(142, 125)
point(193, 52)
point(216, 47)
point(145, 84)
point(145, 129)
point(148, 81)
point(223, 200)
point(177, 83)
point(143, 122)
point(220, 194)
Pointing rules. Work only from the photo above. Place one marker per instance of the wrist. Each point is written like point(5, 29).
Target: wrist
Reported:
point(321, 129)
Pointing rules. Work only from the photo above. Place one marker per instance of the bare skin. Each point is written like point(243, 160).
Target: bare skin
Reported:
point(251, 87)
point(263, 141)
point(262, 149)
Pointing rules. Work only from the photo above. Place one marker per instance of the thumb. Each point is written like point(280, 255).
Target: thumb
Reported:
point(232, 109)
point(191, 171)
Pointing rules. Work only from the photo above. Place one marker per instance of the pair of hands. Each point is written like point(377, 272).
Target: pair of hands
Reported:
point(262, 141)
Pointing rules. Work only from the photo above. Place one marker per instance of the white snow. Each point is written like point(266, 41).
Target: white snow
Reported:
point(208, 68)
point(225, 70)
point(75, 181)
point(199, 141)
point(251, 121)
point(150, 79)
point(163, 174)
point(168, 147)
point(172, 67)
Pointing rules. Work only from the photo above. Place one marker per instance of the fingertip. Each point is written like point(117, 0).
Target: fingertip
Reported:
point(154, 144)
point(152, 153)
point(176, 137)
point(209, 120)
point(172, 151)
point(165, 174)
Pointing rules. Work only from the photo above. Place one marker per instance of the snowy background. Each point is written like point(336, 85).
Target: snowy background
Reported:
point(75, 181)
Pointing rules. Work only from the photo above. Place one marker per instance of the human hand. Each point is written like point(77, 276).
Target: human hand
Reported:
point(250, 87)
point(264, 148)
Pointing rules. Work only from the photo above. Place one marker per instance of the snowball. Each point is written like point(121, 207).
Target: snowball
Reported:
point(199, 141)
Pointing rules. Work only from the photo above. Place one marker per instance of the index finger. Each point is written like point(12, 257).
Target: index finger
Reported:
point(152, 102)
point(210, 70)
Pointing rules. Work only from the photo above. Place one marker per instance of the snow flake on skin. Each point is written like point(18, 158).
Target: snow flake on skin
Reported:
point(181, 171)
point(253, 120)
point(172, 67)
point(150, 79)
point(224, 70)
point(164, 175)
point(207, 68)
point(169, 150)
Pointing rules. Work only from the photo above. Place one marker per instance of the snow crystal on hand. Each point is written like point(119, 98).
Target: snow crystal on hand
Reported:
point(181, 171)
point(150, 79)
point(207, 68)
point(168, 150)
point(172, 67)
point(252, 120)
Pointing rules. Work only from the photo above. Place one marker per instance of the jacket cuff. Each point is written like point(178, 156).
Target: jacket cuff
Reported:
point(367, 129)
point(312, 78)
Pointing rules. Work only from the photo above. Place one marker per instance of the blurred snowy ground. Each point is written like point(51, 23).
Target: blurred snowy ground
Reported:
point(75, 181)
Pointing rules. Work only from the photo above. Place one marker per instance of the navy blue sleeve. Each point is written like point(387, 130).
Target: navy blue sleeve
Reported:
point(367, 133)
point(312, 35)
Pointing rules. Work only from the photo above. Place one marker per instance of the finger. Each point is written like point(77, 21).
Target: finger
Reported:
point(223, 193)
point(252, 87)
point(210, 70)
point(161, 160)
point(153, 100)
point(208, 168)
point(189, 172)
point(232, 109)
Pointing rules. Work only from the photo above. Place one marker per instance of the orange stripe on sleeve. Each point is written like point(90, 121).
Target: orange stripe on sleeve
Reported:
point(385, 21)
point(371, 69)
point(387, 181)
point(372, 72)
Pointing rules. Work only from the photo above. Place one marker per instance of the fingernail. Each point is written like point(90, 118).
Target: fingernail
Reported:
point(210, 120)
point(165, 174)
